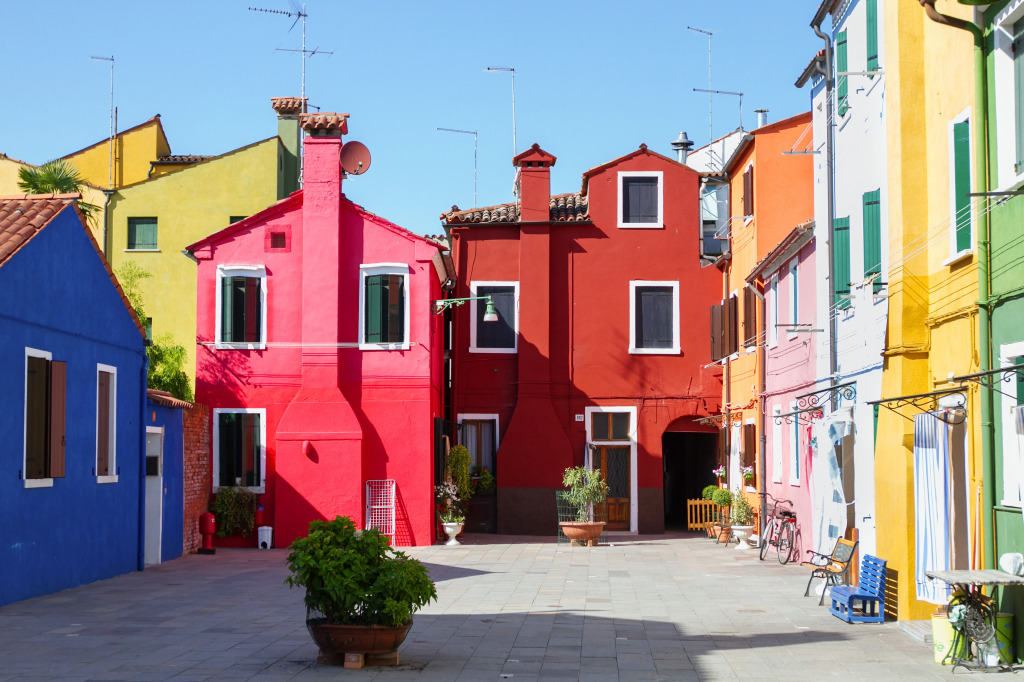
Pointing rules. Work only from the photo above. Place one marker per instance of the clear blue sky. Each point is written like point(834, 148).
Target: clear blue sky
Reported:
point(593, 81)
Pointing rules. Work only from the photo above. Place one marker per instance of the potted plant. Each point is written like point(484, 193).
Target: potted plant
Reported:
point(748, 474)
point(361, 593)
point(235, 511)
point(586, 487)
point(722, 498)
point(449, 511)
point(742, 519)
point(719, 473)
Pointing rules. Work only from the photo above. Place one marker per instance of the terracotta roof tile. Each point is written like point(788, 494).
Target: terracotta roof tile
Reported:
point(561, 208)
point(289, 105)
point(324, 121)
point(23, 216)
point(181, 158)
point(166, 399)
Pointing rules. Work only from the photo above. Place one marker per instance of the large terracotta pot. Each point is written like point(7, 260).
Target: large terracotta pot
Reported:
point(378, 643)
point(585, 532)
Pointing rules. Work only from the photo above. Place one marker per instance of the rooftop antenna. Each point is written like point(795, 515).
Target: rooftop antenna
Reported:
point(511, 70)
point(708, 34)
point(113, 133)
point(726, 92)
point(300, 14)
point(473, 133)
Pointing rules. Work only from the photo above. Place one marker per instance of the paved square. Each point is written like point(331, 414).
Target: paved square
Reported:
point(651, 608)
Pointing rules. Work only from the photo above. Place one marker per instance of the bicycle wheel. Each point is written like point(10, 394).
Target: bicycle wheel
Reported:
point(766, 534)
point(785, 543)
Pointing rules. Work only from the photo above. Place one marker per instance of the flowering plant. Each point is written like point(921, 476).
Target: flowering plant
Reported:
point(483, 480)
point(719, 472)
point(747, 473)
point(449, 507)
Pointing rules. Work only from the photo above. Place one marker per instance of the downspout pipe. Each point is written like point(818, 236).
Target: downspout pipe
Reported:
point(109, 193)
point(141, 460)
point(980, 149)
point(762, 458)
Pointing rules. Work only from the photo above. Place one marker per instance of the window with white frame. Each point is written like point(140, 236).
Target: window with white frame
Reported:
point(241, 306)
point(653, 317)
point(1011, 354)
point(773, 311)
point(239, 446)
point(794, 449)
point(961, 221)
point(641, 199)
point(794, 298)
point(776, 444)
point(106, 421)
point(1008, 76)
point(501, 336)
point(383, 300)
point(479, 433)
point(45, 410)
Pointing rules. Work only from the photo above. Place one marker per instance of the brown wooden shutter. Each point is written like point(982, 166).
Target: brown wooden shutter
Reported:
point(748, 192)
point(722, 446)
point(749, 445)
point(749, 317)
point(731, 326)
point(58, 391)
point(103, 424)
point(716, 333)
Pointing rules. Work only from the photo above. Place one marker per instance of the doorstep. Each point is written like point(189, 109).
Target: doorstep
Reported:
point(921, 630)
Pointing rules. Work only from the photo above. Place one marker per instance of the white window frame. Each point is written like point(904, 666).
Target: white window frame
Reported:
point(747, 219)
point(794, 448)
point(370, 270)
point(954, 255)
point(1011, 474)
point(776, 444)
point(773, 311)
point(633, 350)
point(660, 222)
point(262, 412)
point(794, 298)
point(480, 416)
point(633, 430)
point(30, 482)
point(259, 271)
point(112, 478)
point(473, 306)
point(1006, 126)
point(747, 486)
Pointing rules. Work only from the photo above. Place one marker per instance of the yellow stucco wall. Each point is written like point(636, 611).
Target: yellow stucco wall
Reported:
point(92, 195)
point(190, 204)
point(134, 149)
point(932, 324)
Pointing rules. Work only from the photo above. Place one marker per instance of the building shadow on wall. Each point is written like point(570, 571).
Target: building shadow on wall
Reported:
point(226, 373)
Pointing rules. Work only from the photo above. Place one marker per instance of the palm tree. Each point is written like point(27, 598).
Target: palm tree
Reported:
point(54, 177)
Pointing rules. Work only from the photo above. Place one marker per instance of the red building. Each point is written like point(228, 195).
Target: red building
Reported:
point(599, 354)
point(319, 357)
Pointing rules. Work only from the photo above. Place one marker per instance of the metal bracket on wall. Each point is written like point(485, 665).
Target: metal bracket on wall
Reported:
point(813, 403)
point(990, 379)
point(926, 403)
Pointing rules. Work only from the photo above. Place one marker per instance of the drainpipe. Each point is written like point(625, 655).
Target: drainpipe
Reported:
point(762, 357)
point(830, 179)
point(106, 224)
point(980, 133)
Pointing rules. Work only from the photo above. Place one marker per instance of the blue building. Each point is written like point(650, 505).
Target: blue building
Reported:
point(165, 463)
point(73, 368)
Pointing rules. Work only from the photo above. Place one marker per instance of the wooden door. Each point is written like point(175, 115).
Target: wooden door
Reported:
point(616, 470)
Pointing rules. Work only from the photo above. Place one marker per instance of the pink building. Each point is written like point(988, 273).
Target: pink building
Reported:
point(319, 357)
point(787, 277)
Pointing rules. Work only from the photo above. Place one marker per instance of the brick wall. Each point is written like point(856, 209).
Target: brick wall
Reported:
point(197, 472)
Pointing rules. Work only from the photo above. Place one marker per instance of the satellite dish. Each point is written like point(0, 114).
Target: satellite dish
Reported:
point(355, 158)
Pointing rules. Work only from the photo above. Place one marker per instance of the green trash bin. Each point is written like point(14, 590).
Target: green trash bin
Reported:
point(942, 638)
point(1002, 652)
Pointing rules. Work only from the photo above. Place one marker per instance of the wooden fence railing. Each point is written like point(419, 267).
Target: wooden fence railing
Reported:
point(701, 514)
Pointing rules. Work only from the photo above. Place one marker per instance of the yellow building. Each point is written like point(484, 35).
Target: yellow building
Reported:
point(932, 332)
point(187, 198)
point(91, 194)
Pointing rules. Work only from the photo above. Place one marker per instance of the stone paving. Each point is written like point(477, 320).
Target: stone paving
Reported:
point(673, 607)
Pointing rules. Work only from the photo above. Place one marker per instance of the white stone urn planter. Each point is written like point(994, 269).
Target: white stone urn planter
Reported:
point(451, 530)
point(742, 533)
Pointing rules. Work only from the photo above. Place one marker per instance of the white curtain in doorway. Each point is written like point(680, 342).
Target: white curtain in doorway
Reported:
point(828, 503)
point(1018, 426)
point(931, 505)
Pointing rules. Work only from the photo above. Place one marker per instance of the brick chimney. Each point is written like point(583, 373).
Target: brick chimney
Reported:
point(288, 111)
point(534, 184)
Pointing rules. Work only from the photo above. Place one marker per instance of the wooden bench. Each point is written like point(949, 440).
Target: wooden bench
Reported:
point(833, 568)
point(862, 603)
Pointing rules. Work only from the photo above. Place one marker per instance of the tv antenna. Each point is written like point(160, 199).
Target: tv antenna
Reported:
point(300, 15)
point(708, 34)
point(725, 92)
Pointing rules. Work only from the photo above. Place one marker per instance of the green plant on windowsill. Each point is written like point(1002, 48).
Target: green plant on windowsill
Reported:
point(483, 481)
point(235, 511)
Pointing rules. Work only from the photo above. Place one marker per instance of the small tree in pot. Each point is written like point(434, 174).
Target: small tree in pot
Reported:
point(361, 593)
point(723, 498)
point(586, 487)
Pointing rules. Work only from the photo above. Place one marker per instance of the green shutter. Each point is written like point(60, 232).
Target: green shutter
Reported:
point(872, 34)
point(962, 183)
point(841, 261)
point(1018, 87)
point(226, 305)
point(873, 235)
point(372, 314)
point(842, 95)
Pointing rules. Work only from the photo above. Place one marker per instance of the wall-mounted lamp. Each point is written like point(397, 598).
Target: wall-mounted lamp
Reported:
point(490, 314)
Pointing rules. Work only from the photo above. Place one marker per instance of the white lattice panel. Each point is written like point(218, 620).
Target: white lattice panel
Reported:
point(380, 506)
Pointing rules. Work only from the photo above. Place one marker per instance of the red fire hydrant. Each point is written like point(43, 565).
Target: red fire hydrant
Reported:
point(207, 527)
